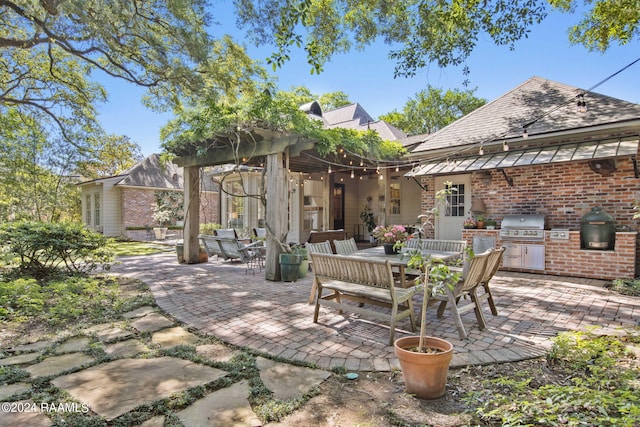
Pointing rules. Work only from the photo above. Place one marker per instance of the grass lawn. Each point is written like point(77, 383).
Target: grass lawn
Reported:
point(138, 248)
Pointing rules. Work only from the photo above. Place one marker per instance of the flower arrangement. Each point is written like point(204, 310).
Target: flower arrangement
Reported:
point(390, 234)
point(469, 223)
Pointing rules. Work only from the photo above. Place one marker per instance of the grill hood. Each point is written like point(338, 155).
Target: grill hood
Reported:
point(523, 222)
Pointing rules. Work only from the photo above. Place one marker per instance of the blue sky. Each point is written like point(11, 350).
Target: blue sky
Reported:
point(367, 76)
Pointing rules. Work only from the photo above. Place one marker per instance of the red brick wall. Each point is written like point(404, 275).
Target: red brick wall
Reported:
point(138, 205)
point(564, 192)
point(565, 258)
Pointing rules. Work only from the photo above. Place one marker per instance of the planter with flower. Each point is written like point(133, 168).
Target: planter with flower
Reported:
point(391, 237)
point(469, 223)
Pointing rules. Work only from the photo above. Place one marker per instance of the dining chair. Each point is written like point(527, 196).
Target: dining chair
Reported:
point(493, 264)
point(472, 274)
point(345, 247)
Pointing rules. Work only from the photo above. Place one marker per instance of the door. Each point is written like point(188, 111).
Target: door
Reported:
point(451, 217)
point(338, 206)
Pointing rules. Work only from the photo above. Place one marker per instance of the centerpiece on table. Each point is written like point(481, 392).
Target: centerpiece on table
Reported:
point(391, 237)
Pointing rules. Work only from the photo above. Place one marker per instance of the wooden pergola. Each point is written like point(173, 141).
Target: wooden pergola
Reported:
point(280, 153)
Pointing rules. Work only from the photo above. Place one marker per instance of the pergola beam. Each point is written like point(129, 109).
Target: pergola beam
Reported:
point(232, 149)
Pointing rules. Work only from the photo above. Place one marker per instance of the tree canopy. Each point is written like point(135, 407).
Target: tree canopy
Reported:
point(48, 48)
point(423, 32)
point(432, 109)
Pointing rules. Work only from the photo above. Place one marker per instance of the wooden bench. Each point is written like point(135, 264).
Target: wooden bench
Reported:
point(437, 245)
point(361, 281)
point(330, 235)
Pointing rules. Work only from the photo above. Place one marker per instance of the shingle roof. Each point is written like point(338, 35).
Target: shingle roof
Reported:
point(152, 174)
point(354, 116)
point(550, 104)
point(346, 114)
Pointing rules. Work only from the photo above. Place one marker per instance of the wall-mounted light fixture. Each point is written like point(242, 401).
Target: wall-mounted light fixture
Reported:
point(478, 205)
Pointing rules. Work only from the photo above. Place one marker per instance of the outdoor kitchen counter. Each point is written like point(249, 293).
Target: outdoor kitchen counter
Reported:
point(564, 257)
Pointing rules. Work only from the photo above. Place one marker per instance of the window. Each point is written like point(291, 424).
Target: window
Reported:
point(455, 201)
point(235, 205)
point(395, 199)
point(87, 210)
point(96, 207)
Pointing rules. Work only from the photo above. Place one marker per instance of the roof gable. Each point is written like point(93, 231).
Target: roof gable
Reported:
point(151, 173)
point(544, 105)
point(348, 113)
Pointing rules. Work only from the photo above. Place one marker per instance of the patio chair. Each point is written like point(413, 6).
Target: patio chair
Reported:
point(229, 233)
point(211, 245)
point(260, 233)
point(345, 247)
point(246, 254)
point(492, 267)
point(471, 276)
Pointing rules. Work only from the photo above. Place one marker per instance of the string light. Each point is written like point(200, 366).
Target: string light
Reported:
point(481, 150)
point(352, 174)
point(329, 170)
point(505, 146)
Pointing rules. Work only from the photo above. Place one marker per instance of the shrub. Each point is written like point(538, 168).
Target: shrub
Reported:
point(209, 228)
point(41, 249)
point(59, 301)
point(20, 299)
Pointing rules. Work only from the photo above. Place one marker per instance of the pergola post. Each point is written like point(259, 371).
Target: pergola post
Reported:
point(277, 214)
point(192, 214)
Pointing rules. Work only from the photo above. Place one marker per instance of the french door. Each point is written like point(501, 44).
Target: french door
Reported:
point(450, 221)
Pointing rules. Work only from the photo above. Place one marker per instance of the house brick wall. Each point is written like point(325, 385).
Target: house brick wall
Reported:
point(564, 193)
point(565, 258)
point(138, 206)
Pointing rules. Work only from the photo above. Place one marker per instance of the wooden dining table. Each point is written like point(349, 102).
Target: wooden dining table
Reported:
point(399, 261)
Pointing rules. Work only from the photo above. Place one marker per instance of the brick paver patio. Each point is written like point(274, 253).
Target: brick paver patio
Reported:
point(224, 300)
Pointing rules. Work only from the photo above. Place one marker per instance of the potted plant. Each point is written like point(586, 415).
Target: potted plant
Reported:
point(289, 265)
point(480, 219)
point(304, 261)
point(391, 237)
point(469, 223)
point(425, 360)
point(163, 217)
point(490, 223)
point(366, 216)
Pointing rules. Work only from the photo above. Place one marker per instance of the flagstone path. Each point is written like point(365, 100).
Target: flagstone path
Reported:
point(132, 377)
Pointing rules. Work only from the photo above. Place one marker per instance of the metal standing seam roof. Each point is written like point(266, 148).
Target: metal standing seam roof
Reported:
point(531, 156)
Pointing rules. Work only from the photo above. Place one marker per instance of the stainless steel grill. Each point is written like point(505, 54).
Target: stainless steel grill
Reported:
point(522, 227)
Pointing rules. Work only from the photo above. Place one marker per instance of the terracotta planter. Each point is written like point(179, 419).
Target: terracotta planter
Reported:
point(425, 374)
